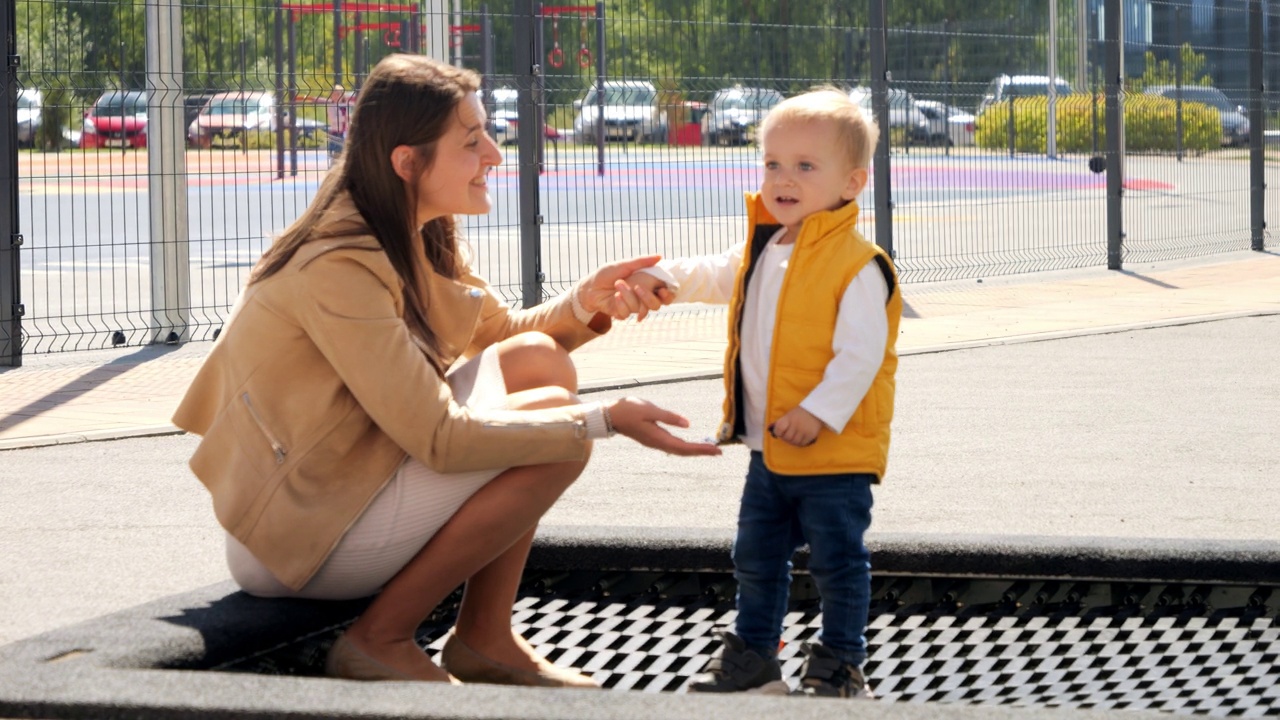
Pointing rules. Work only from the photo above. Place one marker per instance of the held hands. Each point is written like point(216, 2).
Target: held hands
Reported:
point(619, 291)
point(798, 427)
point(639, 420)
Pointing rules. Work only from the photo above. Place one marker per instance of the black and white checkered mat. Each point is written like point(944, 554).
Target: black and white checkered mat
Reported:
point(1186, 650)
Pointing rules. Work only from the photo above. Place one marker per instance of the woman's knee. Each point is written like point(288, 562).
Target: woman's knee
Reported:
point(534, 360)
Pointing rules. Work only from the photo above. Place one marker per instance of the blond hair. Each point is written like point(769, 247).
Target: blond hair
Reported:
point(856, 131)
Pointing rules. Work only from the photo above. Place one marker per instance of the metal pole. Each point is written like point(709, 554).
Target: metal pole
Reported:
point(600, 88)
point(880, 108)
point(539, 131)
point(337, 42)
point(167, 176)
point(528, 70)
point(1082, 44)
point(292, 89)
point(848, 56)
point(279, 120)
point(1177, 80)
point(1051, 129)
point(11, 307)
point(1257, 142)
point(1113, 16)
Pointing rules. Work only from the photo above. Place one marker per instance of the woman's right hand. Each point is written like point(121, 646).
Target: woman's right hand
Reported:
point(639, 420)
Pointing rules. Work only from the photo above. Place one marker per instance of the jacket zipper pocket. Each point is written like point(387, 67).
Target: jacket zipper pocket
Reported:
point(271, 438)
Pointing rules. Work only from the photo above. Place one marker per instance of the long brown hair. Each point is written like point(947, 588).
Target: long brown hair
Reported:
point(406, 100)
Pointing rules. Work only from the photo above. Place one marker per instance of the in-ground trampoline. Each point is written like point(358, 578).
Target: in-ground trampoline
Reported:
point(996, 625)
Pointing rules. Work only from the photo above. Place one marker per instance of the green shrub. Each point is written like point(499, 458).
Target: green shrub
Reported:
point(1150, 124)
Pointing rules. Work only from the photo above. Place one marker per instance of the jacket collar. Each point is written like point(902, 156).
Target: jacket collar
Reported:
point(817, 226)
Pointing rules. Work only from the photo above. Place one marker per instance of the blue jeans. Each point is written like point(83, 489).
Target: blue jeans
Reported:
point(779, 514)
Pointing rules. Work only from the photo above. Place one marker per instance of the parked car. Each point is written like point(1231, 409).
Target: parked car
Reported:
point(1235, 125)
point(733, 114)
point(948, 125)
point(904, 114)
point(30, 108)
point(117, 119)
point(630, 113)
point(505, 118)
point(1006, 86)
point(228, 115)
point(191, 106)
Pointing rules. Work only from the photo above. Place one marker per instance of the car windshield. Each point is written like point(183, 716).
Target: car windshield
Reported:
point(117, 105)
point(1213, 98)
point(233, 106)
point(622, 96)
point(26, 102)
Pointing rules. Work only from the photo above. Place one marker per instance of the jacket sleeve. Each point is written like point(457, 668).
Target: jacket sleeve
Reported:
point(702, 278)
point(498, 321)
point(352, 317)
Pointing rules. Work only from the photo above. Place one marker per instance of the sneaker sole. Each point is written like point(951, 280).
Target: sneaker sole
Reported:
point(777, 687)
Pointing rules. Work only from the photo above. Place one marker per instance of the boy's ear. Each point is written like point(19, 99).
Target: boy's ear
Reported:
point(857, 183)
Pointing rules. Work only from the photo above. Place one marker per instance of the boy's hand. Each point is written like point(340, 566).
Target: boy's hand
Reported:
point(798, 427)
point(599, 291)
point(640, 293)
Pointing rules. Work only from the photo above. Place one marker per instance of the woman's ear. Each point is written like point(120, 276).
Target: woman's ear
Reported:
point(404, 161)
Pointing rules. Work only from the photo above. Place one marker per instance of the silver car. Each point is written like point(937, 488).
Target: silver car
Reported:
point(1235, 126)
point(30, 105)
point(734, 113)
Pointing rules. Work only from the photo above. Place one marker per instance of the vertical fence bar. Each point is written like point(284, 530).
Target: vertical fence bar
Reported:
point(167, 176)
point(600, 70)
point(10, 241)
point(292, 89)
point(1113, 18)
point(279, 111)
point(880, 107)
point(1257, 140)
point(528, 71)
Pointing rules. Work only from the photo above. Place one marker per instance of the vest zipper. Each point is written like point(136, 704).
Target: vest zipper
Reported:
point(271, 438)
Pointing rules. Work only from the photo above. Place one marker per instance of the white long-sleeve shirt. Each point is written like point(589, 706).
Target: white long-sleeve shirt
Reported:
point(859, 341)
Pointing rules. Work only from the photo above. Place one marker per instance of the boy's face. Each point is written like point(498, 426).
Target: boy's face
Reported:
point(806, 170)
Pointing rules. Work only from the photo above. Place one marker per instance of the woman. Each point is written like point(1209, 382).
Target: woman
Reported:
point(341, 459)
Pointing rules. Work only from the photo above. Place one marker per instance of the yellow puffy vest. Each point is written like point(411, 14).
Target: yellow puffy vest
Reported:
point(829, 252)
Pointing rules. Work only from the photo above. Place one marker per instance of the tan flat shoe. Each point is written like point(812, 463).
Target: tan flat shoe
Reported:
point(469, 666)
point(349, 662)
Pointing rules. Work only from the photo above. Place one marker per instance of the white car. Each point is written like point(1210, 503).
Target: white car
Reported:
point(505, 118)
point(30, 105)
point(630, 113)
point(734, 113)
point(228, 115)
point(948, 125)
point(904, 114)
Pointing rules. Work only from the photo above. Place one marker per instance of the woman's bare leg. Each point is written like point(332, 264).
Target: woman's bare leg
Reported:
point(485, 543)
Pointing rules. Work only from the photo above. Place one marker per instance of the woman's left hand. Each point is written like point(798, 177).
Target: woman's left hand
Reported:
point(606, 290)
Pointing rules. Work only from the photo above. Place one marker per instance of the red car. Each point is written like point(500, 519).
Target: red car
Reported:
point(117, 119)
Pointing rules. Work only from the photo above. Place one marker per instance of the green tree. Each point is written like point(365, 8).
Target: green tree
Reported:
point(1164, 72)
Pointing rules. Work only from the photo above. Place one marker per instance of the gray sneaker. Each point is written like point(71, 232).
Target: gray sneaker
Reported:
point(825, 675)
point(737, 669)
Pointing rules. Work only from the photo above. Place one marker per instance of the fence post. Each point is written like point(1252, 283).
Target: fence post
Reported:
point(1113, 17)
point(10, 241)
point(528, 72)
point(1257, 140)
point(880, 108)
point(167, 176)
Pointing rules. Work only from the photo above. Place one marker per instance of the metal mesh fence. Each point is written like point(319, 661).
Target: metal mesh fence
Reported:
point(648, 114)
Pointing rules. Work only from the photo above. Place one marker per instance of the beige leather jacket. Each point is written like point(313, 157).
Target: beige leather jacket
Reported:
point(315, 392)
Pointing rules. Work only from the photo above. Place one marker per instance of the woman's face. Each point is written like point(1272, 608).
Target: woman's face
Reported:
point(456, 183)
